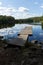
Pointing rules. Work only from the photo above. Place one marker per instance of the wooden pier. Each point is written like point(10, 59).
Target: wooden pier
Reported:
point(22, 37)
point(26, 31)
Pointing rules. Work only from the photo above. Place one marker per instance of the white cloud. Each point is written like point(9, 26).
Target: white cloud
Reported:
point(23, 9)
point(0, 3)
point(35, 3)
point(20, 12)
point(17, 13)
point(23, 15)
point(7, 11)
point(41, 6)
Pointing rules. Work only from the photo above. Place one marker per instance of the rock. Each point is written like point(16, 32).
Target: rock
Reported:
point(34, 41)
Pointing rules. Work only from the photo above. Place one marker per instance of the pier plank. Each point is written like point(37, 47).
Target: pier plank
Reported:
point(26, 31)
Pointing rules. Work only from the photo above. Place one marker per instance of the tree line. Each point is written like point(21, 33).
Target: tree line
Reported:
point(6, 21)
point(30, 20)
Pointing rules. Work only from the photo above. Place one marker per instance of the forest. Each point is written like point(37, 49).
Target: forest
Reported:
point(30, 20)
point(6, 21)
point(9, 21)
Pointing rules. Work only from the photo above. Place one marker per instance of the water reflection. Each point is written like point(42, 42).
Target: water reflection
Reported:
point(37, 33)
point(12, 32)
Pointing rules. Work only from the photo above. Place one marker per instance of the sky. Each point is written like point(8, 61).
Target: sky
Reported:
point(21, 9)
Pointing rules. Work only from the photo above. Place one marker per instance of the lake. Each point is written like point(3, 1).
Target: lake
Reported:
point(37, 33)
point(13, 31)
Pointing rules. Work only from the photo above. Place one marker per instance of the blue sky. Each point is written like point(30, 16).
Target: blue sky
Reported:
point(21, 8)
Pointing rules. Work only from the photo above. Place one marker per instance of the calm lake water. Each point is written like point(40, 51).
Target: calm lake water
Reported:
point(37, 33)
point(12, 32)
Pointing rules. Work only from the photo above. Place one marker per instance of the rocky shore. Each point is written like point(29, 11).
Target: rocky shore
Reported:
point(13, 55)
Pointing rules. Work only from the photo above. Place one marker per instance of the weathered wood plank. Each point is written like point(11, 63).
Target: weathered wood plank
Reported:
point(26, 31)
point(18, 41)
